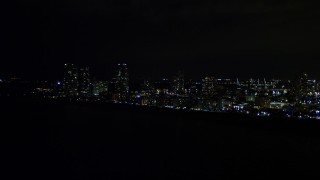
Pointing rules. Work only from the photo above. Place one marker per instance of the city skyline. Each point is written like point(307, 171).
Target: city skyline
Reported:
point(142, 89)
point(299, 97)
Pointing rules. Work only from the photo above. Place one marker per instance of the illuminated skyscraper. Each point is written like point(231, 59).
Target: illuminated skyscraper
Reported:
point(178, 84)
point(84, 81)
point(100, 87)
point(192, 87)
point(147, 93)
point(208, 86)
point(70, 82)
point(300, 88)
point(122, 79)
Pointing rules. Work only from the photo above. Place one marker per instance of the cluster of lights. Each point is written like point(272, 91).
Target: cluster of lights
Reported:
point(253, 96)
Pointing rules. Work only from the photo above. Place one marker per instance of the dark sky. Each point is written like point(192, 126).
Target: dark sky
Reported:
point(226, 38)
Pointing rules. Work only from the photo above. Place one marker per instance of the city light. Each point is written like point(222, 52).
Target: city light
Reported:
point(298, 98)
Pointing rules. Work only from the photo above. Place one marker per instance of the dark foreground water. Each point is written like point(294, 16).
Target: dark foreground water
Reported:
point(99, 141)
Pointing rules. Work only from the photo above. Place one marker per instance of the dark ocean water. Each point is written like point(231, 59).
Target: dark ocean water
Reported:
point(51, 140)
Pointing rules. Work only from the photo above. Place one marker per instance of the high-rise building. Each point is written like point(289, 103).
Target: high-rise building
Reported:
point(84, 81)
point(178, 84)
point(100, 87)
point(311, 87)
point(147, 93)
point(300, 88)
point(70, 82)
point(121, 83)
point(208, 86)
point(122, 79)
point(192, 87)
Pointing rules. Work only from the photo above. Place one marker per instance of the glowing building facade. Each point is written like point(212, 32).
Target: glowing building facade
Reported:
point(70, 82)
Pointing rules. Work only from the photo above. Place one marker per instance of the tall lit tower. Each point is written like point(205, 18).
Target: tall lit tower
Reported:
point(208, 86)
point(99, 87)
point(178, 83)
point(84, 81)
point(300, 88)
point(70, 82)
point(122, 79)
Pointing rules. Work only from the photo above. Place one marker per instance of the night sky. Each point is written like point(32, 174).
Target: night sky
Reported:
point(225, 38)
